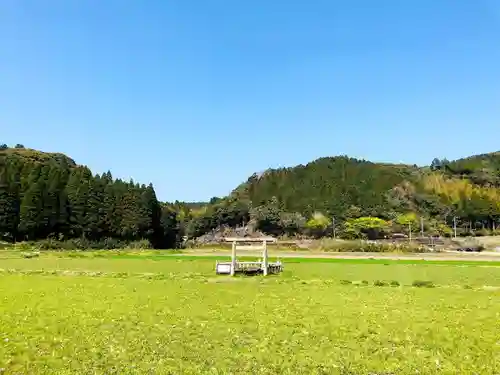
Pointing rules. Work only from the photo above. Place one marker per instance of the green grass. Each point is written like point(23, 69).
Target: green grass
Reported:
point(173, 315)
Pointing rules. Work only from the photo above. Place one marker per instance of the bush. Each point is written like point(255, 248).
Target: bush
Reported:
point(423, 284)
point(483, 233)
point(395, 283)
point(26, 246)
point(83, 244)
point(370, 246)
point(5, 245)
point(379, 283)
point(141, 245)
point(345, 282)
point(31, 254)
point(49, 244)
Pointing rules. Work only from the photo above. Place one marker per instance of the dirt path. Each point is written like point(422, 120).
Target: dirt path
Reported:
point(484, 256)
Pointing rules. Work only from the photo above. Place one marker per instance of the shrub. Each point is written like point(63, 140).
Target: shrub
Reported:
point(141, 244)
point(495, 232)
point(379, 283)
point(394, 283)
point(345, 282)
point(83, 244)
point(49, 244)
point(423, 284)
point(26, 246)
point(111, 243)
point(483, 233)
point(370, 246)
point(5, 245)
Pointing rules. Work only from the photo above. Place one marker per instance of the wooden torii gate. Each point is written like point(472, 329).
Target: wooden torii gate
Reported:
point(262, 266)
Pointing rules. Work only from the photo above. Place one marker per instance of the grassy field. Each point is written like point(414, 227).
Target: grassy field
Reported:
point(171, 315)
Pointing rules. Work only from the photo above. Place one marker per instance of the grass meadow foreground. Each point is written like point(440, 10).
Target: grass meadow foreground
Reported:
point(172, 315)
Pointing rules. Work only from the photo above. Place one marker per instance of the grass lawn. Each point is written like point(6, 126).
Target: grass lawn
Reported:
point(172, 315)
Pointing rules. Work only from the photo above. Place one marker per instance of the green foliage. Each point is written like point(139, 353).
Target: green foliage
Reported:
point(481, 169)
point(407, 219)
point(423, 284)
point(365, 227)
point(317, 225)
point(350, 189)
point(48, 197)
point(267, 217)
point(9, 205)
point(363, 246)
point(139, 245)
point(230, 212)
point(330, 186)
point(292, 223)
point(109, 243)
point(30, 254)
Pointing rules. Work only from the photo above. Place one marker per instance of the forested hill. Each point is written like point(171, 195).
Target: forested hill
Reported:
point(330, 185)
point(288, 200)
point(47, 195)
point(481, 169)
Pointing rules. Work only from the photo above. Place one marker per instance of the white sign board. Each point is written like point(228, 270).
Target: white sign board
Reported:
point(223, 268)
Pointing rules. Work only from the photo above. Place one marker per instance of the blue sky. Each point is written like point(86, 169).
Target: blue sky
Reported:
point(195, 96)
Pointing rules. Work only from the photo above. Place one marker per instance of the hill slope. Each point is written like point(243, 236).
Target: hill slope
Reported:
point(481, 169)
point(331, 185)
point(47, 195)
point(348, 188)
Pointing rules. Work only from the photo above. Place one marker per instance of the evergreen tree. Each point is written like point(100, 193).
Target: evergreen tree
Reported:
point(95, 215)
point(111, 219)
point(169, 229)
point(150, 216)
point(31, 207)
point(77, 191)
point(9, 207)
point(129, 207)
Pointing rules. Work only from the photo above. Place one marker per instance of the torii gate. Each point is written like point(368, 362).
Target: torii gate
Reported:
point(249, 267)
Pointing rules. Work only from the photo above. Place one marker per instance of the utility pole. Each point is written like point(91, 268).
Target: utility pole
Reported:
point(455, 226)
point(333, 226)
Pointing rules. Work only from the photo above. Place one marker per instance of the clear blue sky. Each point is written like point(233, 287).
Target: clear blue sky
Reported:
point(195, 96)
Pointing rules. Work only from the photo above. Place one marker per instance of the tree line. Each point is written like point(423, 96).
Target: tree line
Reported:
point(364, 199)
point(48, 196)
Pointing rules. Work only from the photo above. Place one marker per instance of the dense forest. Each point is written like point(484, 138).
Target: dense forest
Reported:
point(48, 196)
point(356, 198)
